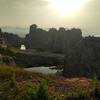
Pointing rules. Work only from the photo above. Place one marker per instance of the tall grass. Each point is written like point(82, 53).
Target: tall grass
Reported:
point(17, 84)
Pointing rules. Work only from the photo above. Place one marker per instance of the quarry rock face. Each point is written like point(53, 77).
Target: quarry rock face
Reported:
point(53, 40)
point(36, 39)
point(84, 59)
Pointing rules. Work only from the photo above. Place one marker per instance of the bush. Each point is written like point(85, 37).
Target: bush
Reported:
point(38, 92)
point(95, 87)
point(8, 60)
point(42, 92)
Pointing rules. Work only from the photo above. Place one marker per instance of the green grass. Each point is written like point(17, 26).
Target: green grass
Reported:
point(14, 82)
point(16, 51)
point(18, 84)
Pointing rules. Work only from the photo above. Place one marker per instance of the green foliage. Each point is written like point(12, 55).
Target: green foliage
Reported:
point(95, 86)
point(95, 81)
point(42, 92)
point(32, 92)
point(7, 60)
point(13, 81)
point(17, 84)
point(79, 95)
point(10, 88)
point(38, 92)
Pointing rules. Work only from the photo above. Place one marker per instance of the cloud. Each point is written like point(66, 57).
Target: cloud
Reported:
point(5, 3)
point(19, 6)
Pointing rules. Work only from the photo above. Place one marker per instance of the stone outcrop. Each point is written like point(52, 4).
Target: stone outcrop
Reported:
point(36, 39)
point(3, 45)
point(12, 40)
point(58, 41)
point(82, 53)
point(38, 59)
point(84, 60)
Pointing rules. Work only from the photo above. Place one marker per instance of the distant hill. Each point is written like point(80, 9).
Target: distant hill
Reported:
point(16, 30)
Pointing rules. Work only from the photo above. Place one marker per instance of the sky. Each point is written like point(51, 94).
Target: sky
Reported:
point(22, 13)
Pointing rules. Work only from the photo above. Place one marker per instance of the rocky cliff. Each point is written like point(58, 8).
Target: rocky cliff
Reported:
point(53, 40)
point(84, 60)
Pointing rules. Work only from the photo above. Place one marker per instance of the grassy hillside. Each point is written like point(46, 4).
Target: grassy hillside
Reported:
point(17, 84)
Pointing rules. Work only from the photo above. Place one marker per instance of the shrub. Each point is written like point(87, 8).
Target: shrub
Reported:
point(95, 87)
point(37, 92)
point(42, 92)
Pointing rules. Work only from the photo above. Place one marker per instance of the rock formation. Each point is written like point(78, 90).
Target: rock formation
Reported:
point(58, 41)
point(12, 40)
point(82, 54)
point(3, 45)
point(84, 60)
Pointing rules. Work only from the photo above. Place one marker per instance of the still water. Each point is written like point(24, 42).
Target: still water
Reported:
point(44, 70)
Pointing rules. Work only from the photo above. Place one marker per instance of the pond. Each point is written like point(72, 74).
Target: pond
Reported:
point(44, 70)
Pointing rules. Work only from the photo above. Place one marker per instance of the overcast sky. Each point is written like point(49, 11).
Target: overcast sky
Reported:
point(22, 13)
